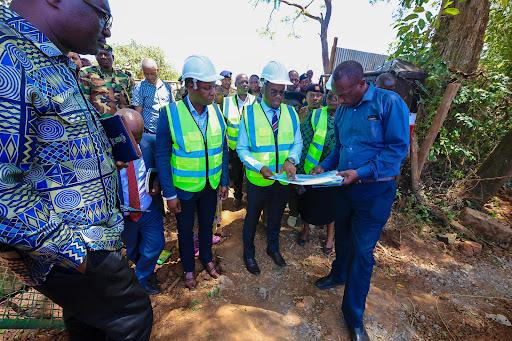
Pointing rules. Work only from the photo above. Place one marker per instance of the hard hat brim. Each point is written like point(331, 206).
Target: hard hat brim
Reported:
point(280, 82)
point(210, 79)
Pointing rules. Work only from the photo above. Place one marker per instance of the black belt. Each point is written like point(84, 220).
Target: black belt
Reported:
point(369, 181)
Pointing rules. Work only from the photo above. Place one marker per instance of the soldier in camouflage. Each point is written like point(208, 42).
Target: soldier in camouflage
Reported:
point(108, 89)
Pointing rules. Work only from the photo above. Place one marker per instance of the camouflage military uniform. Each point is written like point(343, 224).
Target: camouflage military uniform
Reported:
point(108, 92)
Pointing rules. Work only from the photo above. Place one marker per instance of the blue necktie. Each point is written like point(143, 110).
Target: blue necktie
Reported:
point(275, 123)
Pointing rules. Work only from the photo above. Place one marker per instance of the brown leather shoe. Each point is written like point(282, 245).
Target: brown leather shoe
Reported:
point(212, 270)
point(190, 281)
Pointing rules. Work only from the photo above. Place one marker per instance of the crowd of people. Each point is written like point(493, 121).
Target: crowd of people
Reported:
point(67, 206)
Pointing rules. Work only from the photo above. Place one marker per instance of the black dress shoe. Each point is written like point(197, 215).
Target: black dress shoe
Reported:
point(359, 334)
point(327, 282)
point(151, 287)
point(277, 258)
point(252, 266)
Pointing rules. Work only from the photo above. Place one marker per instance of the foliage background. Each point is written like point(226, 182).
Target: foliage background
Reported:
point(129, 56)
point(481, 113)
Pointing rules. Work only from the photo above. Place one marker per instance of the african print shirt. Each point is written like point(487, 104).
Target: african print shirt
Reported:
point(107, 91)
point(58, 181)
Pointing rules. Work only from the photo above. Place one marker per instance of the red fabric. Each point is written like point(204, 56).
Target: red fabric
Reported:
point(133, 192)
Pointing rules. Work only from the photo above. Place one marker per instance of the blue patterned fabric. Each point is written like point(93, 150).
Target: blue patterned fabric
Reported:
point(58, 181)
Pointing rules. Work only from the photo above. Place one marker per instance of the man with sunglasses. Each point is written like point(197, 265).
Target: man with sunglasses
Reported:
point(269, 142)
point(60, 226)
point(371, 140)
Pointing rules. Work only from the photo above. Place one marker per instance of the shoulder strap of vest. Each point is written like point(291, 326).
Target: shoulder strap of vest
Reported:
point(294, 117)
point(219, 115)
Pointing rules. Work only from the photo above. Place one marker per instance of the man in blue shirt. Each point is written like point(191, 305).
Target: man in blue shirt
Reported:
point(372, 140)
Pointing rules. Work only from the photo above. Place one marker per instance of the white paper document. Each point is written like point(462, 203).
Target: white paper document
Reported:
point(325, 179)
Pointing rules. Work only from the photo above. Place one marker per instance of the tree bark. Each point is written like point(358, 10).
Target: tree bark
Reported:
point(437, 123)
point(324, 26)
point(323, 20)
point(498, 167)
point(415, 175)
point(459, 39)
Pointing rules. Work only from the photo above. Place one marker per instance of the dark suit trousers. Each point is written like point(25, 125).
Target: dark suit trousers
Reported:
point(105, 303)
point(362, 210)
point(273, 198)
point(205, 203)
point(236, 173)
point(145, 240)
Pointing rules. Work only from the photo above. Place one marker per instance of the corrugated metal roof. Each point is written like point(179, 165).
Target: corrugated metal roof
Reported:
point(369, 61)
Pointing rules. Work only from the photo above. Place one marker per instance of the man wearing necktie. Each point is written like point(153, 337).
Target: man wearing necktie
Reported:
point(269, 142)
point(143, 232)
point(192, 160)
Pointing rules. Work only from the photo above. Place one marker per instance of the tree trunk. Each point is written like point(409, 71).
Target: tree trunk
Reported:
point(497, 165)
point(324, 26)
point(437, 123)
point(460, 38)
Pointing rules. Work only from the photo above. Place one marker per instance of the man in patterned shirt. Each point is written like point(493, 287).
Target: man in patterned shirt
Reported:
point(59, 222)
point(107, 88)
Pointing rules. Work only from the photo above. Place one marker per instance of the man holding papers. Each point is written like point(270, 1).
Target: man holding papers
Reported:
point(372, 139)
point(269, 142)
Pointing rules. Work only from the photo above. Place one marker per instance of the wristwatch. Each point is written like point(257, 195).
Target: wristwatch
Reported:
point(291, 160)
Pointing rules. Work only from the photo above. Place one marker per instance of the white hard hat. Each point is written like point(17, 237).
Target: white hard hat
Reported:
point(276, 73)
point(200, 68)
point(328, 85)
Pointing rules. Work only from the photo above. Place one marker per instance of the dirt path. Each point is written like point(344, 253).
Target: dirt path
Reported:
point(421, 290)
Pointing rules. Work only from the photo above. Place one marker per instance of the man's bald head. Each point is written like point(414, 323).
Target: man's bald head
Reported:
point(242, 84)
point(386, 81)
point(133, 121)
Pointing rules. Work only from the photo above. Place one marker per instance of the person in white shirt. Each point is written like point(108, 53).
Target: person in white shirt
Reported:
point(233, 110)
point(144, 225)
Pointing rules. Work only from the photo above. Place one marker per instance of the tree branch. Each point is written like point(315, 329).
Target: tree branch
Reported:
point(302, 9)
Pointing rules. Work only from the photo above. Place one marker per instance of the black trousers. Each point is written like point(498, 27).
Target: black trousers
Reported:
point(273, 198)
point(205, 204)
point(293, 201)
point(236, 173)
point(105, 303)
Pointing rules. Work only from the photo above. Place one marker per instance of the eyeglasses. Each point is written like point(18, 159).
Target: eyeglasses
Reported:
point(103, 14)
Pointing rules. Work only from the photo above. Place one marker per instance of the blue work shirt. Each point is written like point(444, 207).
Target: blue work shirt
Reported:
point(371, 137)
point(243, 148)
point(163, 152)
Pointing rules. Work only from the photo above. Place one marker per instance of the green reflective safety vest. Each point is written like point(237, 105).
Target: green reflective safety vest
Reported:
point(262, 144)
point(319, 123)
point(233, 116)
point(195, 158)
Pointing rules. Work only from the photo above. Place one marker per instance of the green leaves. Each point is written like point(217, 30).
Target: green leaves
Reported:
point(451, 11)
point(410, 17)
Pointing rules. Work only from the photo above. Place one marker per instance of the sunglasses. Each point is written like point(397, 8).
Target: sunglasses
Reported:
point(103, 14)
